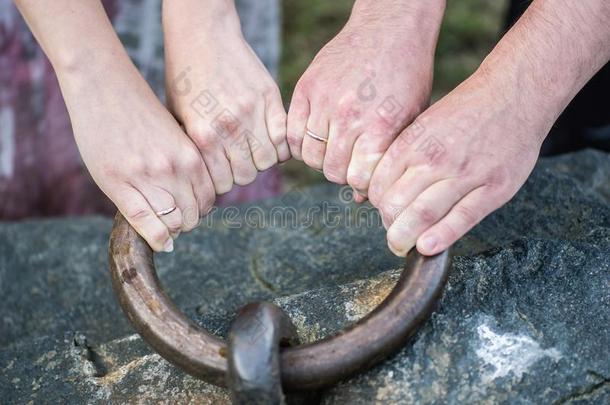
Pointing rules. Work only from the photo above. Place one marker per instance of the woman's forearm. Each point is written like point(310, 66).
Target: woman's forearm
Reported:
point(551, 53)
point(74, 34)
point(180, 18)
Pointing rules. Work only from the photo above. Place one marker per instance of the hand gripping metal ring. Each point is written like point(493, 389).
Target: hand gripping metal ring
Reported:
point(311, 366)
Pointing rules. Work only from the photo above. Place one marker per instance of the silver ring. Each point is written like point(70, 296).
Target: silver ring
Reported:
point(316, 137)
point(166, 212)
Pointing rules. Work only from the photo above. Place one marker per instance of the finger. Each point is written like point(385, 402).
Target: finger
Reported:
point(358, 198)
point(393, 163)
point(467, 213)
point(240, 156)
point(262, 149)
point(216, 160)
point(187, 203)
point(425, 210)
point(314, 143)
point(203, 188)
point(338, 152)
point(276, 121)
point(298, 113)
point(367, 152)
point(136, 210)
point(412, 183)
point(161, 200)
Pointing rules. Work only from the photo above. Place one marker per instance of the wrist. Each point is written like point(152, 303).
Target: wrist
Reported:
point(403, 18)
point(399, 11)
point(181, 17)
point(98, 76)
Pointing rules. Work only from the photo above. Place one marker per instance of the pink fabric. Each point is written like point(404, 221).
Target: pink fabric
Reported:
point(41, 173)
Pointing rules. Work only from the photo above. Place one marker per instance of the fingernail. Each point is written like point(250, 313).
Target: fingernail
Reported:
point(428, 244)
point(169, 246)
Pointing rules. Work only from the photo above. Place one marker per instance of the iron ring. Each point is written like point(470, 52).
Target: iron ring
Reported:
point(306, 367)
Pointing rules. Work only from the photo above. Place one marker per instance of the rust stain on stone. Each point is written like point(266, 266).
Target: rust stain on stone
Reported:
point(369, 298)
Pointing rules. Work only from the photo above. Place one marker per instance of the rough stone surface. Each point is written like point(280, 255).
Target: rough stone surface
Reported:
point(525, 317)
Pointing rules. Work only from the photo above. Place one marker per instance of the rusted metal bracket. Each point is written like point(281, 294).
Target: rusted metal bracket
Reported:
point(258, 331)
point(306, 367)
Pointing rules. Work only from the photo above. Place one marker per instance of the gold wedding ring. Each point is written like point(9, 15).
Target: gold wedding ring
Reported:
point(315, 136)
point(166, 212)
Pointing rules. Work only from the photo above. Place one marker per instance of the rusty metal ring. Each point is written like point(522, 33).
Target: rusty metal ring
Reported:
point(315, 365)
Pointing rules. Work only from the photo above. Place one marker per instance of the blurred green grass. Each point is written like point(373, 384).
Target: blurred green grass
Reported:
point(470, 30)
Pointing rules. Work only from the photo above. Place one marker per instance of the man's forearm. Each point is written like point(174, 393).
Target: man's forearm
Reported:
point(404, 16)
point(551, 53)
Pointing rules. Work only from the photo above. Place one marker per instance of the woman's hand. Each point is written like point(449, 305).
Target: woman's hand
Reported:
point(221, 92)
point(363, 88)
point(136, 151)
point(132, 146)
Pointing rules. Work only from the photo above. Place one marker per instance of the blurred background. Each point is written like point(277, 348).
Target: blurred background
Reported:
point(470, 30)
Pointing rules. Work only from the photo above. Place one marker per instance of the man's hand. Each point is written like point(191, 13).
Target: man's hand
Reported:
point(461, 159)
point(469, 153)
point(221, 92)
point(364, 87)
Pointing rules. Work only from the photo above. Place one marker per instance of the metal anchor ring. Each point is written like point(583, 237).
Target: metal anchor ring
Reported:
point(254, 353)
point(306, 367)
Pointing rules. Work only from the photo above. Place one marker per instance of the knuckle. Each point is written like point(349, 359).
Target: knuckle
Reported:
point(382, 126)
point(137, 214)
point(137, 166)
point(312, 162)
point(374, 194)
point(265, 162)
point(466, 215)
point(204, 137)
point(499, 179)
point(348, 120)
point(192, 161)
point(389, 209)
point(464, 168)
point(223, 186)
point(174, 224)
point(277, 133)
point(423, 212)
point(161, 166)
point(272, 92)
point(395, 239)
point(294, 138)
point(206, 202)
point(245, 177)
point(304, 85)
point(449, 233)
point(358, 180)
point(246, 106)
point(334, 171)
point(159, 235)
point(111, 171)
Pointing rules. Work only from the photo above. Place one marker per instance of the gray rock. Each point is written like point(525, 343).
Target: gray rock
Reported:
point(525, 317)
